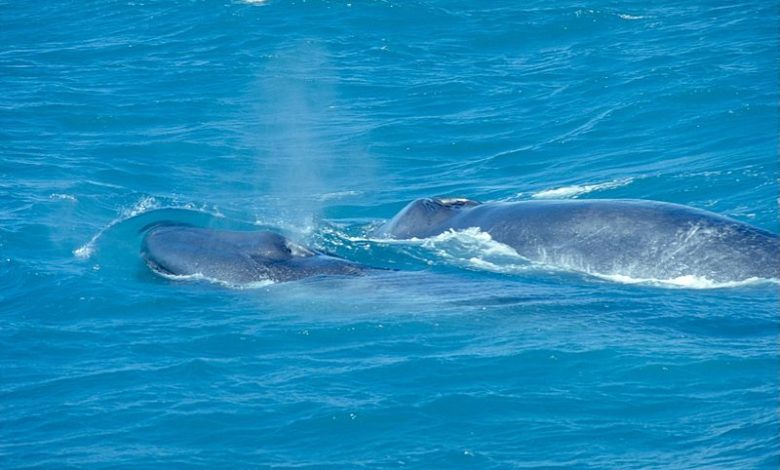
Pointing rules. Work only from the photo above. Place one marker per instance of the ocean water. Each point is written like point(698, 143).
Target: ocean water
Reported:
point(320, 119)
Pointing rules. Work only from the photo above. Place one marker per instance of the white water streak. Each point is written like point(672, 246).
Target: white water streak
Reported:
point(203, 278)
point(685, 282)
point(578, 190)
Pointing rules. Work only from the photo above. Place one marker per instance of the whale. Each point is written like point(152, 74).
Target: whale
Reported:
point(236, 257)
point(639, 239)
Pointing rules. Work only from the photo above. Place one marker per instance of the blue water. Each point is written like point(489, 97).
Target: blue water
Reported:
point(319, 119)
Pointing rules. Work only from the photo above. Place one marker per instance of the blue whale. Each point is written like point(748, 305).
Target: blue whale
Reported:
point(635, 238)
point(236, 257)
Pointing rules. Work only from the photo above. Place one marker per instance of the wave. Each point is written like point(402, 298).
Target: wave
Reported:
point(142, 206)
point(578, 190)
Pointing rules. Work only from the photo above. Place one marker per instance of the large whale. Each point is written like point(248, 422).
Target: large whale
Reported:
point(236, 257)
point(635, 238)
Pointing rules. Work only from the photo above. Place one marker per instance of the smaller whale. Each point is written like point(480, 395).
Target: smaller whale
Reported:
point(635, 238)
point(236, 257)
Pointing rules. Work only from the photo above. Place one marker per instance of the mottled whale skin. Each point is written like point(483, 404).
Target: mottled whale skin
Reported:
point(236, 257)
point(635, 238)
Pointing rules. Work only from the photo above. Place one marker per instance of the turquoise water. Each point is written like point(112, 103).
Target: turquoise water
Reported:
point(319, 119)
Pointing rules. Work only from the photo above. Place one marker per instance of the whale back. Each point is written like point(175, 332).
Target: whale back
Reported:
point(634, 238)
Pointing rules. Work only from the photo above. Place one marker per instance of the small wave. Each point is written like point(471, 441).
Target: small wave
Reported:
point(624, 16)
point(63, 197)
point(578, 190)
point(338, 195)
point(254, 2)
point(144, 205)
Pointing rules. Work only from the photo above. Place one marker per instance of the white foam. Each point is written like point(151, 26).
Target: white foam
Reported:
point(144, 205)
point(686, 282)
point(472, 239)
point(63, 197)
point(578, 190)
point(255, 2)
point(203, 278)
point(86, 250)
point(471, 248)
point(624, 16)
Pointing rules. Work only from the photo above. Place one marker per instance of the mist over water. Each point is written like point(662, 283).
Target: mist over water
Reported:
point(302, 148)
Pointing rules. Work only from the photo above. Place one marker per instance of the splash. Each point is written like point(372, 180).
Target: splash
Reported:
point(578, 190)
point(86, 250)
point(144, 205)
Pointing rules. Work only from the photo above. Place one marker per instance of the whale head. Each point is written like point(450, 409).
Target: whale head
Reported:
point(424, 217)
point(236, 258)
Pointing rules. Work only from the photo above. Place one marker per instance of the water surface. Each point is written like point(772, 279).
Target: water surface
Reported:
point(320, 118)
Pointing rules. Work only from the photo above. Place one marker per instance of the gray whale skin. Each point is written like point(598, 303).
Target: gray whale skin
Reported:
point(236, 257)
point(636, 238)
